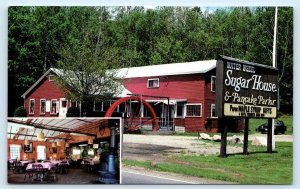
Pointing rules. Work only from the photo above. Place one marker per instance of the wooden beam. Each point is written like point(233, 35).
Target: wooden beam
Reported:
point(36, 136)
point(246, 129)
point(269, 140)
point(40, 126)
point(223, 149)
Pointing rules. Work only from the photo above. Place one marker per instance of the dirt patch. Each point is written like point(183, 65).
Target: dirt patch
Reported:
point(161, 148)
point(151, 146)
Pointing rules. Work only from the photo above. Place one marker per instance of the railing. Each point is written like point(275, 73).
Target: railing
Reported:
point(146, 124)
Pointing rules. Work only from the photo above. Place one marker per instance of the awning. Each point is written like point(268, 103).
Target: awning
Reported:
point(171, 101)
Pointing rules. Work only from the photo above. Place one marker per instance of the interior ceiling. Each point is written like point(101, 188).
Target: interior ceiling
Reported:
point(54, 129)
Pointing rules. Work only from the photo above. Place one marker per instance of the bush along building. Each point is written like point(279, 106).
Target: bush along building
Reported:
point(177, 96)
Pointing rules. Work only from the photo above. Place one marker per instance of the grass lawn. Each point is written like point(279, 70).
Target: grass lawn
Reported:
point(258, 167)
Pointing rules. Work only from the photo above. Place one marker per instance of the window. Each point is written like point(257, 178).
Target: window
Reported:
point(145, 111)
point(179, 109)
point(15, 151)
point(213, 83)
point(64, 103)
point(193, 110)
point(213, 110)
point(73, 103)
point(153, 83)
point(54, 106)
point(42, 106)
point(76, 152)
point(41, 152)
point(51, 77)
point(97, 106)
point(31, 106)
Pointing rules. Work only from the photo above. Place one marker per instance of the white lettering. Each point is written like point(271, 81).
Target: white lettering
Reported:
point(236, 82)
point(262, 86)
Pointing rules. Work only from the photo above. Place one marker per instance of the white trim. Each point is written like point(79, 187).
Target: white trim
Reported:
point(192, 104)
point(183, 111)
point(16, 146)
point(37, 152)
point(153, 79)
point(38, 81)
point(41, 106)
point(211, 83)
point(29, 112)
point(211, 112)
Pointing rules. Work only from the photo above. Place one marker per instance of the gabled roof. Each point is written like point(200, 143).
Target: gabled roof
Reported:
point(148, 71)
point(39, 80)
point(168, 69)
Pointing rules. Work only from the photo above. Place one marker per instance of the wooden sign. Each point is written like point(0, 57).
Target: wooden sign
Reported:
point(245, 89)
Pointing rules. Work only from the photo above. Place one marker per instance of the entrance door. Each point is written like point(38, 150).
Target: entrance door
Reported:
point(63, 107)
point(166, 119)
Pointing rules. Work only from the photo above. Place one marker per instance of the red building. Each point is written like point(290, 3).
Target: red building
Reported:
point(181, 94)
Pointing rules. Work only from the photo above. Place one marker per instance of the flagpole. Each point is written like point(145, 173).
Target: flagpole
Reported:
point(274, 65)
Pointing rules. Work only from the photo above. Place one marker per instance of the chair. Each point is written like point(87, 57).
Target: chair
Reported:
point(28, 174)
point(17, 167)
point(63, 168)
point(38, 172)
point(52, 174)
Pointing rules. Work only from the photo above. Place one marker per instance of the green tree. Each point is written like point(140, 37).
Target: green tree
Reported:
point(86, 63)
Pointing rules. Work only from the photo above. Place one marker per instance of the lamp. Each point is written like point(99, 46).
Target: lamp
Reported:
point(26, 143)
point(67, 145)
point(40, 136)
point(58, 143)
point(53, 145)
point(90, 141)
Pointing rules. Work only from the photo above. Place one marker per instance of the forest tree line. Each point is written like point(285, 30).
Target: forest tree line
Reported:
point(135, 36)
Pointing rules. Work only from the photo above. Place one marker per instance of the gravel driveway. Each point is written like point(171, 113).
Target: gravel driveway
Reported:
point(151, 146)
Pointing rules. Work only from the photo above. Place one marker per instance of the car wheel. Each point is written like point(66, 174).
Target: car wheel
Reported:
point(276, 132)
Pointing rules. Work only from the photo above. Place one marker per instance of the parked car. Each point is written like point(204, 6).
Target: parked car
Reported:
point(279, 127)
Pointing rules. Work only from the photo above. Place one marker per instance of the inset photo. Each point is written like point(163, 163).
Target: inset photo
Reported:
point(63, 150)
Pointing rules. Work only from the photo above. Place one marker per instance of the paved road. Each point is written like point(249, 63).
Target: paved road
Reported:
point(135, 175)
point(139, 178)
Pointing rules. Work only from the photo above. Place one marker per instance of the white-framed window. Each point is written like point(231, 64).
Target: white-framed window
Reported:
point(51, 77)
point(213, 110)
point(15, 151)
point(41, 152)
point(64, 103)
point(153, 83)
point(213, 83)
point(179, 109)
point(193, 110)
point(73, 103)
point(42, 106)
point(54, 106)
point(31, 106)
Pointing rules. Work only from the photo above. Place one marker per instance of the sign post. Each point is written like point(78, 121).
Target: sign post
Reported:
point(246, 129)
point(245, 90)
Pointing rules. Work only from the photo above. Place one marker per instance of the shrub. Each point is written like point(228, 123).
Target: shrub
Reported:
point(20, 112)
point(73, 112)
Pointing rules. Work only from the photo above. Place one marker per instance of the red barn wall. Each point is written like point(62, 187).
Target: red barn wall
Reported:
point(210, 98)
point(45, 90)
point(190, 87)
point(33, 156)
